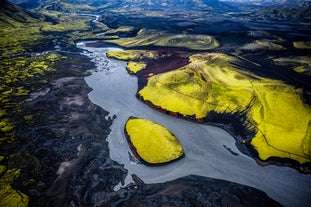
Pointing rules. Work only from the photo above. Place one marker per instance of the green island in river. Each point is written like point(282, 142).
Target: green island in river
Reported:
point(151, 142)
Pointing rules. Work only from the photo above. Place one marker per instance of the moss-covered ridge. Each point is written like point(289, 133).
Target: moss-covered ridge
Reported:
point(145, 63)
point(158, 38)
point(299, 64)
point(152, 143)
point(211, 86)
point(302, 45)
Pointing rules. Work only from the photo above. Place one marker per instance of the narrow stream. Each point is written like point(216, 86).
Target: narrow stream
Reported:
point(209, 151)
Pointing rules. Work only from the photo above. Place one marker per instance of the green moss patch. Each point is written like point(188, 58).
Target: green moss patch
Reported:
point(152, 143)
point(134, 67)
point(302, 45)
point(133, 54)
point(299, 64)
point(9, 196)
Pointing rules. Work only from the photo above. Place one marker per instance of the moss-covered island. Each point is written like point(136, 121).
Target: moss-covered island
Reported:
point(151, 143)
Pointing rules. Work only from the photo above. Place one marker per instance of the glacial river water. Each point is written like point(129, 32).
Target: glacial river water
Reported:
point(206, 147)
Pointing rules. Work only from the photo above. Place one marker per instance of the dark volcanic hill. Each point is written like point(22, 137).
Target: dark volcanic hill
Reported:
point(293, 3)
point(9, 12)
point(27, 3)
point(285, 13)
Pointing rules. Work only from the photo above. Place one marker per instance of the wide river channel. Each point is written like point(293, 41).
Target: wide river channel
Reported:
point(209, 151)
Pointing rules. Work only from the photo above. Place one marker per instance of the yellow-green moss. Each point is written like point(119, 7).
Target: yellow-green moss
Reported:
point(16, 72)
point(2, 169)
point(68, 22)
point(302, 69)
point(302, 45)
point(211, 83)
point(283, 121)
point(135, 67)
point(9, 196)
point(199, 87)
point(306, 60)
point(74, 8)
point(131, 54)
point(154, 143)
point(300, 64)
point(121, 29)
point(5, 125)
point(270, 45)
point(146, 37)
point(14, 39)
point(7, 130)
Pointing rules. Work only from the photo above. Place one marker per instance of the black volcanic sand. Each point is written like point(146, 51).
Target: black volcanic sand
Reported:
point(196, 191)
point(64, 158)
point(71, 147)
point(168, 60)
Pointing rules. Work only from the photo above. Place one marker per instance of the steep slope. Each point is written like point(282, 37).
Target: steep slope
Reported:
point(29, 4)
point(11, 14)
